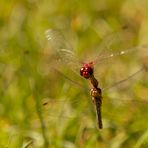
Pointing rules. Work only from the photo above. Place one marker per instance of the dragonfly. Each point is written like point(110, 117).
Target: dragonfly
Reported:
point(65, 54)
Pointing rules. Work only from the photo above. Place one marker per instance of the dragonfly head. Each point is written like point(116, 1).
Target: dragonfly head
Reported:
point(87, 70)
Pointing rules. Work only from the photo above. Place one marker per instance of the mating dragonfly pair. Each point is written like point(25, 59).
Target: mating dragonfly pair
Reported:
point(67, 56)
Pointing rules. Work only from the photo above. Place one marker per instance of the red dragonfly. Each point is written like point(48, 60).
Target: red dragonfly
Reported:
point(66, 55)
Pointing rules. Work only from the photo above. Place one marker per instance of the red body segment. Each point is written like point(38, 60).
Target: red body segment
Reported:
point(86, 70)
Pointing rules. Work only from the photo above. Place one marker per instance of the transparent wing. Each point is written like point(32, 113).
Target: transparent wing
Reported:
point(112, 111)
point(62, 49)
point(73, 107)
point(115, 106)
point(121, 38)
point(119, 58)
point(76, 106)
point(114, 45)
point(123, 52)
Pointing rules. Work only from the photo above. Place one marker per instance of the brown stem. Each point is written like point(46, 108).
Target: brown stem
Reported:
point(98, 103)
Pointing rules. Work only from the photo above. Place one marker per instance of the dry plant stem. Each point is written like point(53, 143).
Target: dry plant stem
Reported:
point(39, 113)
point(98, 103)
point(97, 99)
point(143, 68)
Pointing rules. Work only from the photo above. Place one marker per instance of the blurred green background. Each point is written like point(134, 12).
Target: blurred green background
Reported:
point(68, 118)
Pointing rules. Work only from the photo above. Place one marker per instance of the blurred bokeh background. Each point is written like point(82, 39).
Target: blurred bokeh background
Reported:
point(43, 103)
